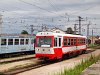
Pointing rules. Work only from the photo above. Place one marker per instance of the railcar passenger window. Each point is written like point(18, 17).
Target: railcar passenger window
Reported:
point(16, 41)
point(3, 41)
point(78, 41)
point(21, 41)
point(65, 42)
point(74, 41)
point(27, 41)
point(68, 41)
point(81, 41)
point(10, 41)
point(32, 41)
point(59, 42)
point(84, 41)
point(71, 41)
point(55, 42)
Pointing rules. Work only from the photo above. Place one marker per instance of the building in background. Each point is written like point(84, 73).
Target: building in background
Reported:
point(57, 30)
point(93, 39)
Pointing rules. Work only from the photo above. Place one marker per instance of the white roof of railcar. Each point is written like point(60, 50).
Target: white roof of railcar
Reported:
point(57, 34)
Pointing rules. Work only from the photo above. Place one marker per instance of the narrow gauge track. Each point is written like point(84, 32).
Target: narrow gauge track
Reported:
point(41, 64)
point(15, 59)
point(28, 68)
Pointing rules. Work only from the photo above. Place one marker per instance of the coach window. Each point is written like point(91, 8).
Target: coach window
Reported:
point(78, 41)
point(32, 41)
point(84, 41)
point(10, 41)
point(27, 40)
point(65, 42)
point(16, 41)
point(55, 42)
point(75, 41)
point(69, 41)
point(59, 42)
point(3, 41)
point(81, 41)
point(72, 42)
point(21, 41)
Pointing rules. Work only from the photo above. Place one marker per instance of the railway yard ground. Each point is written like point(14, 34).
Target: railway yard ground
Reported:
point(17, 58)
point(24, 66)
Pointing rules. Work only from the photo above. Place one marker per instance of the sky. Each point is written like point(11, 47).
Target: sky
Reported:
point(18, 15)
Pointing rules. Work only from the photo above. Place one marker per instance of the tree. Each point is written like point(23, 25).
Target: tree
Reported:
point(24, 32)
point(69, 31)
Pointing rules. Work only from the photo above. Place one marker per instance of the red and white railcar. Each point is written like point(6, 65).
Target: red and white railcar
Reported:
point(51, 45)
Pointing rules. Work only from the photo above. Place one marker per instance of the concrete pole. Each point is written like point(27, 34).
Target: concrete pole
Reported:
point(75, 29)
point(88, 32)
point(92, 37)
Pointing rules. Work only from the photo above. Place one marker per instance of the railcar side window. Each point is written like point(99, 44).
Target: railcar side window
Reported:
point(10, 41)
point(81, 41)
point(72, 42)
point(84, 41)
point(69, 41)
point(78, 41)
point(32, 41)
point(75, 41)
point(16, 41)
point(3, 41)
point(27, 41)
point(59, 42)
point(21, 41)
point(65, 41)
point(55, 42)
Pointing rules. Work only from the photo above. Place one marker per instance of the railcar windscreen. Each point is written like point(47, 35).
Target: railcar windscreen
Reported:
point(44, 42)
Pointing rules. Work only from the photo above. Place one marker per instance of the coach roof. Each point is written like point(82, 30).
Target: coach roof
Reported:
point(57, 34)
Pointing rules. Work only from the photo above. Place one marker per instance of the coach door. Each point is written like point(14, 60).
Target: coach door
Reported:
point(58, 49)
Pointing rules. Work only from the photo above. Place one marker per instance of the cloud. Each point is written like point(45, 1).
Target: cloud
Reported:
point(42, 11)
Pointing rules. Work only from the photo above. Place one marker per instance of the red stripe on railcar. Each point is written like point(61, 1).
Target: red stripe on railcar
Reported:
point(58, 52)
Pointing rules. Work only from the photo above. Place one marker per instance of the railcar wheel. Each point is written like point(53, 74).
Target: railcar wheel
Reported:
point(84, 51)
point(60, 59)
point(65, 56)
point(77, 53)
point(71, 55)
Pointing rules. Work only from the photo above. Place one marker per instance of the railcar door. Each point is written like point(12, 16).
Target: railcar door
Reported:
point(58, 48)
